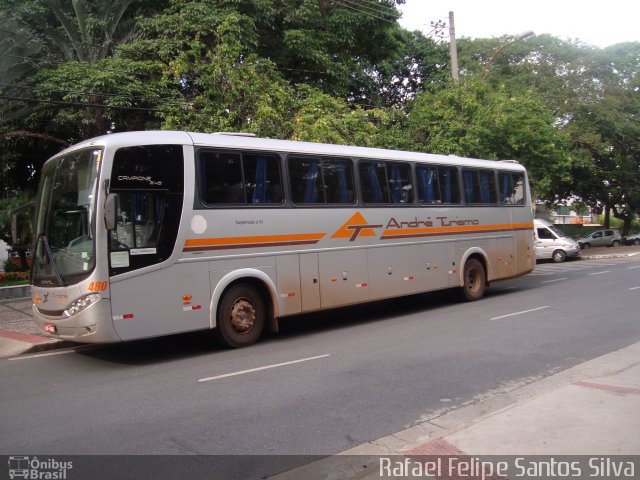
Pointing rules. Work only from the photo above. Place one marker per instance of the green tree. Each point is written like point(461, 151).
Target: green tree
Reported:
point(206, 58)
point(322, 118)
point(59, 76)
point(593, 94)
point(609, 132)
point(472, 119)
point(64, 44)
point(333, 46)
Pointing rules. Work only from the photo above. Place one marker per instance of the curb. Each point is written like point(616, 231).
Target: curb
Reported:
point(603, 257)
point(15, 292)
point(16, 343)
point(609, 255)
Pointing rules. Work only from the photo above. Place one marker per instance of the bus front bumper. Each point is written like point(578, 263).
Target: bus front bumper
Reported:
point(92, 325)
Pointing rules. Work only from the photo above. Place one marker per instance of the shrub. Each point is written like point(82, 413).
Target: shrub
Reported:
point(13, 265)
point(13, 277)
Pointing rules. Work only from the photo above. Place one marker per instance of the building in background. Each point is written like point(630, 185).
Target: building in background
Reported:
point(567, 214)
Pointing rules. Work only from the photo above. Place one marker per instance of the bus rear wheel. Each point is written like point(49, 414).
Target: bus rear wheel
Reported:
point(474, 280)
point(241, 316)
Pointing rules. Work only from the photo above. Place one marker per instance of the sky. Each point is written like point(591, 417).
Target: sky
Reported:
point(595, 22)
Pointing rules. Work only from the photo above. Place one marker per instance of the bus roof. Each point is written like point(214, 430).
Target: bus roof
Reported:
point(245, 141)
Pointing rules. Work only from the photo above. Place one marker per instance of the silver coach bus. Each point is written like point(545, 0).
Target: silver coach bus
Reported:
point(144, 234)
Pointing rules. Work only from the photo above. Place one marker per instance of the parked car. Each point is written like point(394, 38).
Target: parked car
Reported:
point(633, 239)
point(609, 237)
point(552, 244)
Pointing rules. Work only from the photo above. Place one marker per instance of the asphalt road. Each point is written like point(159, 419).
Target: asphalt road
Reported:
point(327, 382)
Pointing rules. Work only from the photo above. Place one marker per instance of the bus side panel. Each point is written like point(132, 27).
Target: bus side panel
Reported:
point(524, 240)
point(390, 273)
point(162, 302)
point(343, 277)
point(225, 272)
point(309, 282)
point(433, 264)
point(505, 260)
point(288, 284)
point(526, 251)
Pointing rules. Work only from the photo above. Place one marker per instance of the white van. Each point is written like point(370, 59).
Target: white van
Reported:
point(552, 243)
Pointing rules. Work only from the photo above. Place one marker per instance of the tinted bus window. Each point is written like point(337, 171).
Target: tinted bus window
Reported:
point(240, 178)
point(149, 185)
point(512, 188)
point(386, 182)
point(438, 185)
point(479, 186)
point(321, 180)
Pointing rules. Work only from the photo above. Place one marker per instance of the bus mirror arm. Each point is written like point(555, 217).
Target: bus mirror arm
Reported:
point(110, 211)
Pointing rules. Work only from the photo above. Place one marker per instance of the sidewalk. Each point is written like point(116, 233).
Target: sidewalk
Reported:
point(592, 409)
point(18, 334)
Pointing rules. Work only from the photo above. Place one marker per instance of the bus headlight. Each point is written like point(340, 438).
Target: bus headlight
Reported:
point(80, 304)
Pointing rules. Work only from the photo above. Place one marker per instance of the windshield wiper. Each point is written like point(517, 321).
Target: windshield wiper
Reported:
point(49, 254)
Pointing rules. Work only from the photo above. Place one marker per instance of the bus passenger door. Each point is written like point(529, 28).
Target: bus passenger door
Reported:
point(309, 282)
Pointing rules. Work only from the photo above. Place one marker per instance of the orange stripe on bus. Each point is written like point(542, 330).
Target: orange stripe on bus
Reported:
point(428, 231)
point(259, 240)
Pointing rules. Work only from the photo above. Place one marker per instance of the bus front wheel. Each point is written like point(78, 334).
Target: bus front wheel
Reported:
point(241, 316)
point(474, 280)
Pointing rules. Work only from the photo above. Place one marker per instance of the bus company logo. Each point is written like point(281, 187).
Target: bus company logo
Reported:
point(33, 468)
point(356, 227)
point(37, 299)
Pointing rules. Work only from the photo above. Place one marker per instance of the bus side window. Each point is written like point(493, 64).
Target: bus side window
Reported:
point(438, 185)
point(479, 186)
point(512, 188)
point(262, 178)
point(386, 182)
point(320, 181)
point(373, 178)
point(222, 177)
point(239, 178)
point(138, 220)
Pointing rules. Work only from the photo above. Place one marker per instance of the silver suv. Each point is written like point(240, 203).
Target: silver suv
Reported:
point(609, 237)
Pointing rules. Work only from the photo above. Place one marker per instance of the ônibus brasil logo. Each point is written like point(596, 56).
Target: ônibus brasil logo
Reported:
point(33, 468)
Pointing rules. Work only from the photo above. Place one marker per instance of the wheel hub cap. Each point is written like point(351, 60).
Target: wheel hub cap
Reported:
point(243, 316)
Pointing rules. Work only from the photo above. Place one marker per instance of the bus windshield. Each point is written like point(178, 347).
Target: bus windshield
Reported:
point(65, 222)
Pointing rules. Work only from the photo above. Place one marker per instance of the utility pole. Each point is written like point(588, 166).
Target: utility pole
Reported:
point(453, 50)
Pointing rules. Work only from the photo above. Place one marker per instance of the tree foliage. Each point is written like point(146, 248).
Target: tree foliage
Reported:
point(316, 70)
point(476, 120)
point(594, 96)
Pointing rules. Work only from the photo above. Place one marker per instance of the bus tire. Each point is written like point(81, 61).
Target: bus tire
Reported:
point(241, 316)
point(474, 280)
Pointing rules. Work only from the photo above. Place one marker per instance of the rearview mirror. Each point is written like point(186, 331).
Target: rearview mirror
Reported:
point(110, 211)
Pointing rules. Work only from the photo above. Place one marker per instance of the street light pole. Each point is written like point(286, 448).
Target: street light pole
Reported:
point(522, 36)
